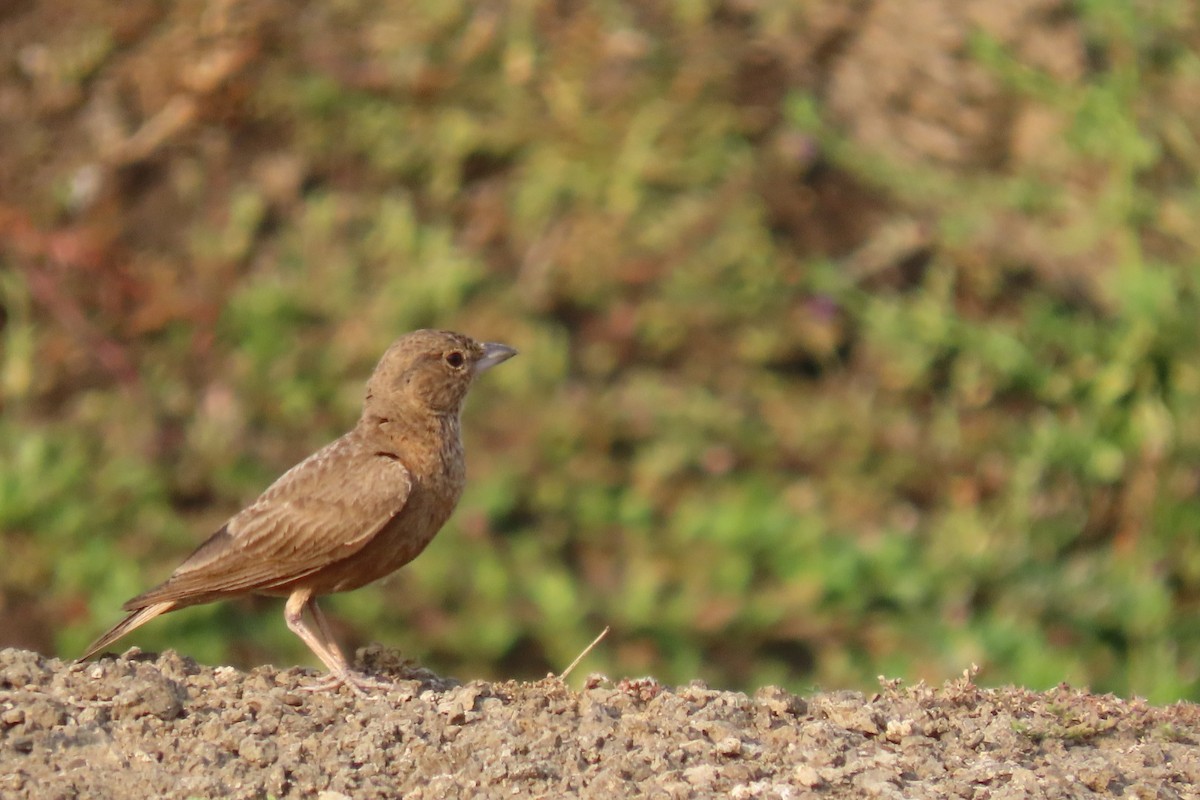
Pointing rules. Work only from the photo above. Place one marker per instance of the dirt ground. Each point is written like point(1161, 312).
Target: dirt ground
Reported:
point(163, 726)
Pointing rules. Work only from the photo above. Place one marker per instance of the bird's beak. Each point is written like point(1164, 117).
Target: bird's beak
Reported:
point(493, 354)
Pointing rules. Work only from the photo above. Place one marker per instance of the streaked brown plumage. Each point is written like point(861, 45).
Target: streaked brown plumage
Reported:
point(353, 512)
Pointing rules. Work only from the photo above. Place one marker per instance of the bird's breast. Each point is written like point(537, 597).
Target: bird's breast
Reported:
point(437, 485)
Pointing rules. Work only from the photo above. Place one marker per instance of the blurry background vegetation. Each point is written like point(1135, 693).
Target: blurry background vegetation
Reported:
point(856, 338)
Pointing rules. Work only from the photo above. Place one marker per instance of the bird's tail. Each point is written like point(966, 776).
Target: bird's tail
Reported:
point(134, 620)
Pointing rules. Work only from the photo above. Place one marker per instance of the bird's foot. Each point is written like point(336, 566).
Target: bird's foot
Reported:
point(356, 682)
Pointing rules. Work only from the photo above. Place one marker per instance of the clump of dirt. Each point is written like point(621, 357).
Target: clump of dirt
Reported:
point(164, 726)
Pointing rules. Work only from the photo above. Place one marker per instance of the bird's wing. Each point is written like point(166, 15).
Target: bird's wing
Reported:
point(322, 510)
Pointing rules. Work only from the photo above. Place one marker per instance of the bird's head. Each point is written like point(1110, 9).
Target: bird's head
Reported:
point(428, 372)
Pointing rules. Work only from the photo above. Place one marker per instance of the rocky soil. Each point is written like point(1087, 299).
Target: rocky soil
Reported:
point(164, 726)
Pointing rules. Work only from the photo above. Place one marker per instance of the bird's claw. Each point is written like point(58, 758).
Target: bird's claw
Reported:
point(356, 682)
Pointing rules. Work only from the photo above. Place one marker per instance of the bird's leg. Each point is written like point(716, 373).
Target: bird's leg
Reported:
point(293, 613)
point(326, 632)
point(322, 644)
point(358, 682)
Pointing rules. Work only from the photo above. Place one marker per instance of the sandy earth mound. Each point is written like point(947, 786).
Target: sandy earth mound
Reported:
point(147, 726)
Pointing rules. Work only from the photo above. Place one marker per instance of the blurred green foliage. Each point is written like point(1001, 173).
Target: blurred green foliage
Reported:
point(791, 406)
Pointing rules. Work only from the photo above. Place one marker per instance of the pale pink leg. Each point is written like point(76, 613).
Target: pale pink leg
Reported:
point(321, 642)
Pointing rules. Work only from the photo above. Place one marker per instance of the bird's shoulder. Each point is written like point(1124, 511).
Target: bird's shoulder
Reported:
point(348, 479)
point(351, 465)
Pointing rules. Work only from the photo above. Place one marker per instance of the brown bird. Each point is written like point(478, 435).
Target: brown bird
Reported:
point(353, 512)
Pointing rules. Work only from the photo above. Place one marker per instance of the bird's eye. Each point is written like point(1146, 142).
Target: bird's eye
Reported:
point(455, 359)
